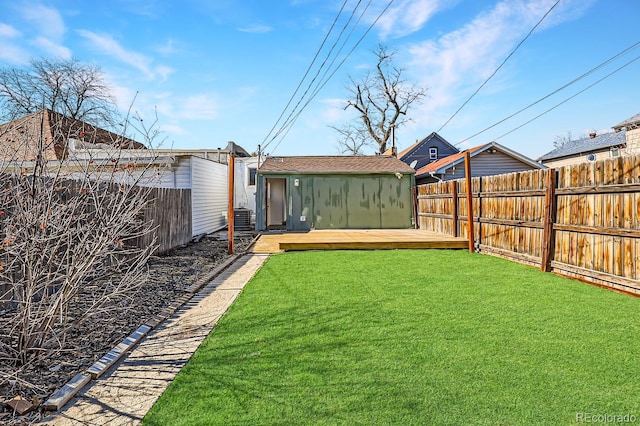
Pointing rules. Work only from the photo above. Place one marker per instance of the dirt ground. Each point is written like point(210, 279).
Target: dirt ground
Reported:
point(170, 275)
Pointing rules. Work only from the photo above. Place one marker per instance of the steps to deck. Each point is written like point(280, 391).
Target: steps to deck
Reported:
point(365, 239)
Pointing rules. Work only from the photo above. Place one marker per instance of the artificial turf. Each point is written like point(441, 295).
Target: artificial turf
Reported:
point(411, 337)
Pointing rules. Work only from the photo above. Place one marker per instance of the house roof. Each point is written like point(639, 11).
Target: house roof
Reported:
point(586, 145)
point(21, 139)
point(632, 122)
point(408, 150)
point(440, 166)
point(334, 164)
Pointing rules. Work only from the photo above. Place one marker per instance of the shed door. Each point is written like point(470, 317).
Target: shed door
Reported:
point(276, 202)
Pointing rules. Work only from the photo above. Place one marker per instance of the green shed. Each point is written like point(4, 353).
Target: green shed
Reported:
point(334, 192)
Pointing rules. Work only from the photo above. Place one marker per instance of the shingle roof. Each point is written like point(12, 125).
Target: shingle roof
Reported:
point(446, 161)
point(633, 121)
point(443, 164)
point(586, 145)
point(335, 164)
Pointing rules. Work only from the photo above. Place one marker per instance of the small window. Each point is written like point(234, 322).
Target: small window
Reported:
point(252, 176)
point(615, 152)
point(433, 153)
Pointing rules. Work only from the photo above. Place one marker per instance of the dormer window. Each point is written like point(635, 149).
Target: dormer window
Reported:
point(433, 153)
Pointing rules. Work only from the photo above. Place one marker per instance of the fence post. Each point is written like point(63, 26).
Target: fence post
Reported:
point(549, 220)
point(230, 210)
point(467, 174)
point(454, 213)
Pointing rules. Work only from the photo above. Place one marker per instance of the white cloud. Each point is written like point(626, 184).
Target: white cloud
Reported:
point(52, 48)
point(48, 21)
point(198, 107)
point(256, 29)
point(459, 61)
point(109, 46)
point(173, 129)
point(164, 72)
point(13, 54)
point(7, 31)
point(408, 16)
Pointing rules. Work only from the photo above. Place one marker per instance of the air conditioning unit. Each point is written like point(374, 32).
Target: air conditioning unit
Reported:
point(242, 219)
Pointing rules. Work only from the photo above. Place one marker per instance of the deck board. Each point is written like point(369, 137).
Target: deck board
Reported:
point(370, 239)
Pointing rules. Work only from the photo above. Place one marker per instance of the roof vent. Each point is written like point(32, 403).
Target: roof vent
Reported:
point(592, 135)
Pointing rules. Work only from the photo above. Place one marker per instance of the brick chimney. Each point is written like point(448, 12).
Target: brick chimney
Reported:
point(592, 135)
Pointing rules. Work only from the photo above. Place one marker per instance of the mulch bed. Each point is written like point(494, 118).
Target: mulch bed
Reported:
point(169, 276)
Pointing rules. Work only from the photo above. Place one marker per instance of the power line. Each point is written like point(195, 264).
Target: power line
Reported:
point(326, 37)
point(569, 98)
point(318, 88)
point(322, 65)
point(500, 66)
point(575, 80)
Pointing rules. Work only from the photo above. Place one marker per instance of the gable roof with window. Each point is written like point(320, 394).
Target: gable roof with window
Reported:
point(426, 150)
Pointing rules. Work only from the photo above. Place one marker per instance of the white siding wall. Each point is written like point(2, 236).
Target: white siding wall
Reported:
point(245, 194)
point(209, 195)
point(182, 172)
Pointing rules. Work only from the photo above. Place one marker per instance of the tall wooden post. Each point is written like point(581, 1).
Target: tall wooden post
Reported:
point(454, 206)
point(549, 220)
point(467, 175)
point(230, 210)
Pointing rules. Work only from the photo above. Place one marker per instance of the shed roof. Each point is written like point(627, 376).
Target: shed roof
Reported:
point(335, 164)
point(586, 145)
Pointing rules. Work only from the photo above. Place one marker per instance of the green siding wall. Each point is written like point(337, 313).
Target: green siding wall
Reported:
point(347, 202)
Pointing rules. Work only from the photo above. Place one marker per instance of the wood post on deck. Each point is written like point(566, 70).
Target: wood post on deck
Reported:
point(467, 174)
point(454, 207)
point(230, 210)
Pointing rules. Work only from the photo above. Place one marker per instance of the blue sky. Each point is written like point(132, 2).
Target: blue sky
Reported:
point(221, 70)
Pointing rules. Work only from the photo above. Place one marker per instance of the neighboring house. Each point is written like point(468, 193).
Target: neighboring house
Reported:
point(425, 151)
point(486, 160)
point(75, 148)
point(631, 128)
point(591, 148)
point(245, 176)
point(334, 192)
point(54, 136)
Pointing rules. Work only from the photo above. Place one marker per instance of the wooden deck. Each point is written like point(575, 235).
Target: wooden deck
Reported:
point(356, 239)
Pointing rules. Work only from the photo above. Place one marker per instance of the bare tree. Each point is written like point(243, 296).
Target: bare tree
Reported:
point(382, 99)
point(68, 228)
point(69, 87)
point(353, 140)
point(562, 139)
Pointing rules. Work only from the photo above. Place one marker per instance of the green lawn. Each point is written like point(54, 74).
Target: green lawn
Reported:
point(411, 337)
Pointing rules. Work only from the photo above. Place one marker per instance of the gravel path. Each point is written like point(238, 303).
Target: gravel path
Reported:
point(169, 276)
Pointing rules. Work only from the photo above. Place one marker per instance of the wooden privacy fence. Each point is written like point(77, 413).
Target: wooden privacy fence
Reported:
point(581, 221)
point(170, 211)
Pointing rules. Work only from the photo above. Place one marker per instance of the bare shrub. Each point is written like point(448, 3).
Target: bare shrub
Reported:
point(71, 203)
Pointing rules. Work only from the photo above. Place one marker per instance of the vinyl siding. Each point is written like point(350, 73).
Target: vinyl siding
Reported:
point(209, 189)
point(487, 164)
